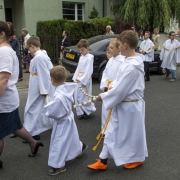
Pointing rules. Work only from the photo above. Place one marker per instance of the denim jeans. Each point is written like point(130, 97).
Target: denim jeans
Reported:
point(173, 72)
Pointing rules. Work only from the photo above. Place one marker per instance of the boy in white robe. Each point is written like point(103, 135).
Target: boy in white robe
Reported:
point(125, 139)
point(147, 49)
point(82, 76)
point(35, 120)
point(65, 144)
point(169, 56)
point(110, 72)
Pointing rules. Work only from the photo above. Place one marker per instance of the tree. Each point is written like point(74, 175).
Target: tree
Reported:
point(147, 14)
point(94, 13)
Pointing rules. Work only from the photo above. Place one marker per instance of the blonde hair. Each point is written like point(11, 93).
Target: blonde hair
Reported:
point(115, 42)
point(130, 37)
point(34, 40)
point(83, 43)
point(59, 74)
point(157, 30)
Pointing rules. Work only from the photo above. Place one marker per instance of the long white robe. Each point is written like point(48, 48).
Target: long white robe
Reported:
point(35, 120)
point(148, 47)
point(125, 139)
point(83, 74)
point(170, 54)
point(65, 144)
point(109, 73)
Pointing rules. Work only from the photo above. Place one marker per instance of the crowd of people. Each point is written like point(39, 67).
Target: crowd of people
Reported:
point(50, 99)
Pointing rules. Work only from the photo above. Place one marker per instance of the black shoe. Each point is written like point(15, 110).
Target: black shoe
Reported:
point(85, 116)
point(81, 117)
point(37, 138)
point(38, 144)
point(1, 164)
point(167, 74)
point(13, 135)
point(84, 147)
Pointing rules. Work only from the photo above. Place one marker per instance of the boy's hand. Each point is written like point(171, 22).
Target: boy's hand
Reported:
point(104, 89)
point(77, 81)
point(99, 98)
point(110, 87)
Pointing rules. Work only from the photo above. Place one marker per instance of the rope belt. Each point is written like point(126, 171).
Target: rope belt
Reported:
point(33, 74)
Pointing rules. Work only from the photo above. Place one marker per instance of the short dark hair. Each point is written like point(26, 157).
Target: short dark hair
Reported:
point(83, 43)
point(66, 32)
point(171, 33)
point(59, 74)
point(147, 32)
point(130, 37)
point(4, 28)
point(34, 40)
point(11, 28)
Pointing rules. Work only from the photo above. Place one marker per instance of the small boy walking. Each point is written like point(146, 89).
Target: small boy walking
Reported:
point(65, 144)
point(82, 76)
point(125, 139)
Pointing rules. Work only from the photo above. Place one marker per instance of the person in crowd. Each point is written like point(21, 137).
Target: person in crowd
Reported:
point(65, 42)
point(169, 55)
point(141, 38)
point(108, 53)
point(27, 56)
point(109, 73)
point(125, 139)
point(10, 121)
point(15, 45)
point(156, 39)
point(35, 120)
point(82, 76)
point(133, 27)
point(147, 49)
point(65, 144)
point(108, 30)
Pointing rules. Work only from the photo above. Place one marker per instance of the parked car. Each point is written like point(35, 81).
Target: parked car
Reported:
point(98, 45)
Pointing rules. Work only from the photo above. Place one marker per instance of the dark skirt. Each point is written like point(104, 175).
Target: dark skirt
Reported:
point(27, 58)
point(9, 122)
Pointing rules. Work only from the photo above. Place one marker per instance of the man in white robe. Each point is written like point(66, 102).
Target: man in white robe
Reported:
point(110, 72)
point(125, 139)
point(35, 121)
point(83, 77)
point(170, 56)
point(65, 144)
point(147, 49)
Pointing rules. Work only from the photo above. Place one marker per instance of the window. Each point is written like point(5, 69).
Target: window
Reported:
point(73, 11)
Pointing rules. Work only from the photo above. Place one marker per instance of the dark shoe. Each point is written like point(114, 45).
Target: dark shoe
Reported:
point(13, 135)
point(26, 72)
point(167, 75)
point(81, 117)
point(84, 147)
point(37, 138)
point(1, 164)
point(20, 79)
point(85, 116)
point(55, 171)
point(38, 144)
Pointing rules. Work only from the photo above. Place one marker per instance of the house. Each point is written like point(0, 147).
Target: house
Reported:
point(26, 13)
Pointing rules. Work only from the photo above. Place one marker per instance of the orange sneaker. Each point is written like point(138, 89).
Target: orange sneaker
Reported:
point(98, 166)
point(132, 165)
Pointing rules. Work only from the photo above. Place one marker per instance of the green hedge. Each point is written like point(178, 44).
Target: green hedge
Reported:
point(47, 30)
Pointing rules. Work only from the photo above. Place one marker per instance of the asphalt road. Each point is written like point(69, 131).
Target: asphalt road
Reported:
point(163, 139)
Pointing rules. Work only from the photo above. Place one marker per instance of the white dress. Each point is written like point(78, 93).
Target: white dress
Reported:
point(125, 139)
point(109, 74)
point(35, 120)
point(65, 144)
point(148, 47)
point(83, 74)
point(170, 54)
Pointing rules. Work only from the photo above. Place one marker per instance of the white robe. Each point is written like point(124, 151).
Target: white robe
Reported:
point(65, 144)
point(109, 73)
point(83, 74)
point(35, 120)
point(148, 47)
point(170, 54)
point(125, 139)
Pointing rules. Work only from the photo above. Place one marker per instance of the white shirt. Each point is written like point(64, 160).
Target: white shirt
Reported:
point(26, 39)
point(9, 101)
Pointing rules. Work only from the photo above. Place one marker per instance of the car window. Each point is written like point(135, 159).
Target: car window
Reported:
point(100, 44)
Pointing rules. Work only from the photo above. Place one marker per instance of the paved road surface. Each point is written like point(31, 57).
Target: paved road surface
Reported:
point(163, 138)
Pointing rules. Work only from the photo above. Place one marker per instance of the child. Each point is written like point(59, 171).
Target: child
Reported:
point(82, 76)
point(147, 49)
point(108, 53)
point(125, 139)
point(35, 120)
point(110, 72)
point(65, 144)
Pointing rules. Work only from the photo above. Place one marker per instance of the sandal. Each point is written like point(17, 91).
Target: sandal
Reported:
point(38, 144)
point(26, 72)
point(20, 79)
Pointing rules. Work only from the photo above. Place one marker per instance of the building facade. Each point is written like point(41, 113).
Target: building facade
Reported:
point(26, 13)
